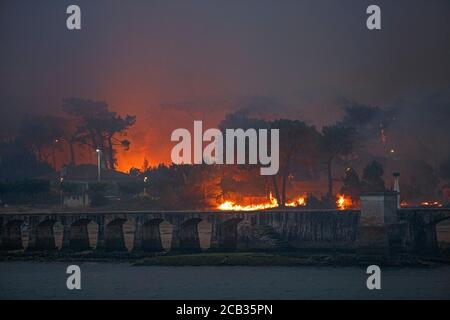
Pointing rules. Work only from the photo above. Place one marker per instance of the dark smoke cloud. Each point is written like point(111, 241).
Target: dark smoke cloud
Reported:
point(171, 61)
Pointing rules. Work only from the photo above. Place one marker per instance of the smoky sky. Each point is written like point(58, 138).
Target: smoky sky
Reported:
point(170, 62)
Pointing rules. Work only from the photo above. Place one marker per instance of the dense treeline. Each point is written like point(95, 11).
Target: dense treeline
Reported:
point(29, 191)
point(86, 126)
point(351, 156)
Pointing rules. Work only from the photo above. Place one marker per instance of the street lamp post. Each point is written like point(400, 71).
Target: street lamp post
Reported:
point(145, 185)
point(397, 187)
point(61, 192)
point(99, 152)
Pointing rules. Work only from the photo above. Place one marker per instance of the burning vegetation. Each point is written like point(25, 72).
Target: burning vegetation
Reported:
point(343, 202)
point(430, 204)
point(270, 204)
point(325, 168)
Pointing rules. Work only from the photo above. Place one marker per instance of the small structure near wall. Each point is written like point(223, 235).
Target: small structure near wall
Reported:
point(379, 231)
point(75, 181)
point(397, 187)
point(80, 200)
point(379, 208)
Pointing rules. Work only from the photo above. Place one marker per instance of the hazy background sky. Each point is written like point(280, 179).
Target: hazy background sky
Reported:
point(170, 62)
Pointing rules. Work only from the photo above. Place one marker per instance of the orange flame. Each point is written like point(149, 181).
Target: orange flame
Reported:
point(343, 202)
point(431, 204)
point(272, 203)
point(300, 202)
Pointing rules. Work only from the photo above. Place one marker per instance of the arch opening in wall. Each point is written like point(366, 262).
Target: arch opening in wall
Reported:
point(189, 236)
point(151, 235)
point(114, 235)
point(228, 234)
point(45, 235)
point(12, 235)
point(83, 235)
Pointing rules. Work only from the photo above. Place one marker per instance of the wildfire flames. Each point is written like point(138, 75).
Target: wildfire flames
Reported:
point(272, 203)
point(343, 202)
point(423, 204)
point(431, 204)
point(300, 202)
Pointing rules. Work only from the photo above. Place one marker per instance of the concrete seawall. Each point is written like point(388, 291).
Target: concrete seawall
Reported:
point(156, 231)
point(377, 228)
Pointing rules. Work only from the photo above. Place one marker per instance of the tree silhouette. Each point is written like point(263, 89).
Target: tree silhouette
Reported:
point(351, 184)
point(298, 145)
point(18, 162)
point(373, 177)
point(336, 141)
point(41, 135)
point(368, 121)
point(98, 127)
point(422, 180)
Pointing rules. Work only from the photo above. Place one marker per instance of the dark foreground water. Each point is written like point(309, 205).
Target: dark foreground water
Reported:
point(33, 280)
